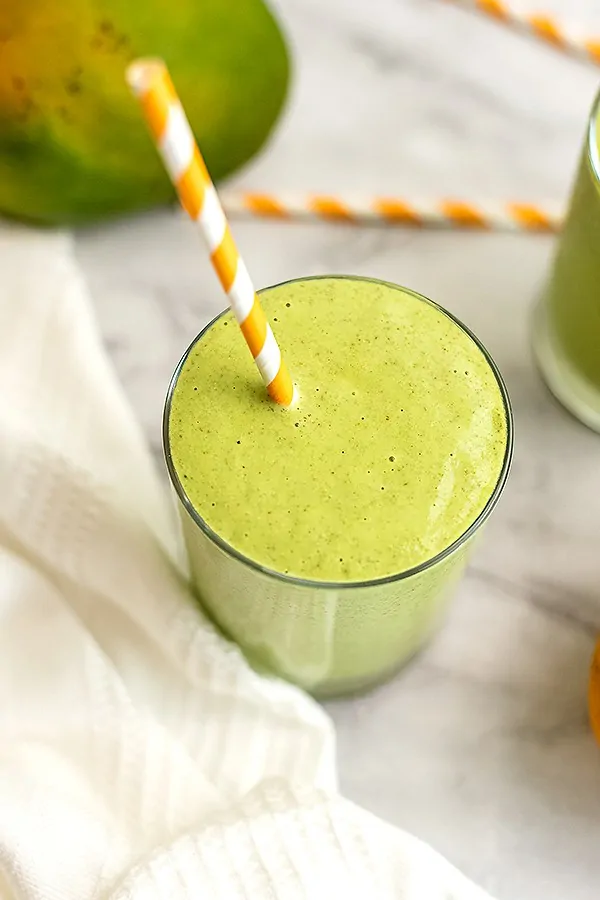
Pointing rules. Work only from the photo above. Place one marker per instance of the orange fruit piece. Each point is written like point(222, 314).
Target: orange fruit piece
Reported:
point(594, 693)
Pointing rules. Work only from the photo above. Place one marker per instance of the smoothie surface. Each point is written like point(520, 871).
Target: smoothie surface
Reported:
point(394, 447)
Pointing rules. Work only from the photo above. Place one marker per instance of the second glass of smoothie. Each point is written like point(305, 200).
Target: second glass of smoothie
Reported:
point(566, 335)
point(325, 538)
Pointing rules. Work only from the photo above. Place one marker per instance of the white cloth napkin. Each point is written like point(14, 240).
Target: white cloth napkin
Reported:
point(140, 757)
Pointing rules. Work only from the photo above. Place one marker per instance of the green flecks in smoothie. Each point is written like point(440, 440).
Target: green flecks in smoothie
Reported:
point(395, 446)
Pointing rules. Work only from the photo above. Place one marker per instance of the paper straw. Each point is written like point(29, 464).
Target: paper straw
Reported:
point(447, 213)
point(540, 25)
point(150, 82)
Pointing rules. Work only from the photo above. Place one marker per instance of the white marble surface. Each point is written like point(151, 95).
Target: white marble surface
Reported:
point(482, 747)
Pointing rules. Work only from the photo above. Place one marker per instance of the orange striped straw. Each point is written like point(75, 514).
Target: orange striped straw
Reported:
point(151, 84)
point(541, 25)
point(443, 213)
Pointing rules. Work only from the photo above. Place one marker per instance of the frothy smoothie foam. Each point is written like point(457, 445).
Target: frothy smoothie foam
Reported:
point(394, 449)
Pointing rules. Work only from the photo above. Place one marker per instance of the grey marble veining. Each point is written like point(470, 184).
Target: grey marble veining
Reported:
point(481, 747)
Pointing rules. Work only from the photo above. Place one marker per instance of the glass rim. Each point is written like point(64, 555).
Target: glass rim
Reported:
point(342, 585)
point(593, 156)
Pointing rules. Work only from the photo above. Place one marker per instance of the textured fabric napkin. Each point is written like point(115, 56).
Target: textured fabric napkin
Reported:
point(140, 757)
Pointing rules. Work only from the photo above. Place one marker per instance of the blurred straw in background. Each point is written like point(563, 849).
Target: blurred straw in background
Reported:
point(443, 213)
point(544, 26)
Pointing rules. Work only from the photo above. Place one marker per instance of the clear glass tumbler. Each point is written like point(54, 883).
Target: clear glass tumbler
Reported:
point(330, 638)
point(566, 326)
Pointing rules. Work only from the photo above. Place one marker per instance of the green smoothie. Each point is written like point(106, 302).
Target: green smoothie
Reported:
point(393, 450)
point(567, 335)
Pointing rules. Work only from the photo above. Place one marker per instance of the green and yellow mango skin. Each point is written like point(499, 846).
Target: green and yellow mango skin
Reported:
point(73, 145)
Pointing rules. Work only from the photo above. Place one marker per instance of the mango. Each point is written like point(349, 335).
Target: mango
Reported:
point(73, 145)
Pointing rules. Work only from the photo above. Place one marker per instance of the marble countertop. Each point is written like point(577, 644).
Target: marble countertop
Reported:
point(482, 746)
